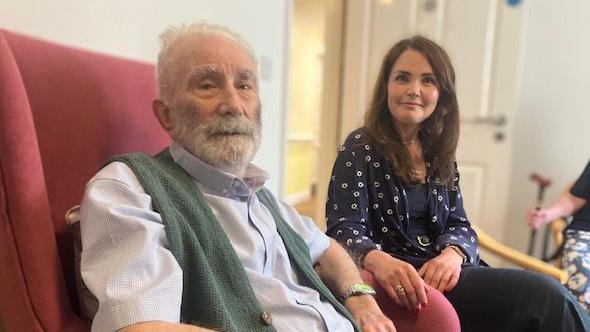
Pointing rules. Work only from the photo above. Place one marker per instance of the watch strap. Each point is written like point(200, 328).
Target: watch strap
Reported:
point(357, 289)
point(459, 252)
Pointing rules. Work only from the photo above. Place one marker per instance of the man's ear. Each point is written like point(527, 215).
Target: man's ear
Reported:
point(163, 114)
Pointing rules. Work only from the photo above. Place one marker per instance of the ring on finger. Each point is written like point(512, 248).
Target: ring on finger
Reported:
point(400, 289)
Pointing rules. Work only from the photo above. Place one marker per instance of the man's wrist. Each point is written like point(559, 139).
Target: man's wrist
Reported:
point(361, 302)
point(357, 289)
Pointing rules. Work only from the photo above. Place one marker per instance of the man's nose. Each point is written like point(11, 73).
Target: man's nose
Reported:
point(231, 103)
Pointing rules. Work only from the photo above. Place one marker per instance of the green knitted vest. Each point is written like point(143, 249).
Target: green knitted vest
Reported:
point(216, 290)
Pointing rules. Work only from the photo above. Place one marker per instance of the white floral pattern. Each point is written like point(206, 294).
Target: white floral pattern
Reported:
point(576, 262)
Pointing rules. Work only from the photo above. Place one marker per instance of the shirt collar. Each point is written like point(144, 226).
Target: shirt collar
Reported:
point(219, 182)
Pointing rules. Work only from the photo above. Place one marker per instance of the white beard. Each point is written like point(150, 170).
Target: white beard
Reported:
point(228, 142)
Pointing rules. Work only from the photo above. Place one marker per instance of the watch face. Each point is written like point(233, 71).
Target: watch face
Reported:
point(357, 289)
point(364, 288)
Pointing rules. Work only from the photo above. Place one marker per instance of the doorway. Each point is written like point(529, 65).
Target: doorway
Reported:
point(483, 39)
point(314, 94)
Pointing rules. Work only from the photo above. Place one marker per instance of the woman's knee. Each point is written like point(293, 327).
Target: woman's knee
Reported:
point(547, 285)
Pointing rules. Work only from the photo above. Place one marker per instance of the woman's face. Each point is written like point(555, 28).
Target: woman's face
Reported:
point(412, 90)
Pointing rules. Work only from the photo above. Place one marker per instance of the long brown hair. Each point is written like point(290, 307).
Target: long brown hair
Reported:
point(439, 133)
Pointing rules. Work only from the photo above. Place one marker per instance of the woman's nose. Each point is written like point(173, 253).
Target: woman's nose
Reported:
point(413, 89)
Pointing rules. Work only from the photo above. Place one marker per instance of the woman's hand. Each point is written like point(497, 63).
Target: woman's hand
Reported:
point(536, 217)
point(399, 279)
point(566, 205)
point(443, 271)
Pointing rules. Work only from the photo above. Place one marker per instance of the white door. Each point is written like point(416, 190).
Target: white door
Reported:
point(483, 39)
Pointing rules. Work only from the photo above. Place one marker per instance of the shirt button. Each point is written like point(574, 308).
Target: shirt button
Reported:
point(266, 317)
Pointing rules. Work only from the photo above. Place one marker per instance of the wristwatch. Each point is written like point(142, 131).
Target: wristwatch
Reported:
point(357, 289)
point(459, 252)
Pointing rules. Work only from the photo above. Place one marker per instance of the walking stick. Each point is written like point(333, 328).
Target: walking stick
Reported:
point(542, 183)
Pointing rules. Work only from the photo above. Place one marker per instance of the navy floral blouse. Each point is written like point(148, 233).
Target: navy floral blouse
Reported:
point(367, 209)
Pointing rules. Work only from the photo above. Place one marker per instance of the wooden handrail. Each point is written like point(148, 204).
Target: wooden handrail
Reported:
point(514, 256)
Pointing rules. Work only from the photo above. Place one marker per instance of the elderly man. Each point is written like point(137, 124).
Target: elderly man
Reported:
point(190, 239)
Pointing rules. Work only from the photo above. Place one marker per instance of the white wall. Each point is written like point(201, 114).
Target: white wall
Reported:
point(130, 28)
point(552, 123)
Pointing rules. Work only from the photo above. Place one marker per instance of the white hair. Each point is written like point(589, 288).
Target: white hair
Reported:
point(167, 65)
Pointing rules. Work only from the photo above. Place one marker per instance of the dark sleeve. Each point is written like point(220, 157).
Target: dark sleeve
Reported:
point(581, 188)
point(458, 231)
point(347, 215)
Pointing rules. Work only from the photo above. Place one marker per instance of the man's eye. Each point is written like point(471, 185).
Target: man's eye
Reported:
point(245, 86)
point(206, 86)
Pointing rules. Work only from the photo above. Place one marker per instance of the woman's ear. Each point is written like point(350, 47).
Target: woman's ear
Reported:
point(164, 115)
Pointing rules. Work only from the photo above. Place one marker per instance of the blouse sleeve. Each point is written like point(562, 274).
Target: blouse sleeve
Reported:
point(458, 231)
point(581, 188)
point(347, 205)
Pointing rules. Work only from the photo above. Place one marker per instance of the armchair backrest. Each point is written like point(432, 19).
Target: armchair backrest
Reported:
point(63, 113)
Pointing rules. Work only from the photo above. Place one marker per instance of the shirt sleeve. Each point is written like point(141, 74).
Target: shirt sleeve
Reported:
point(347, 213)
point(125, 261)
point(458, 231)
point(316, 240)
point(581, 188)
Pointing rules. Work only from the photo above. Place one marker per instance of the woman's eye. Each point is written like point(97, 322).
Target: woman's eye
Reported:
point(429, 80)
point(401, 78)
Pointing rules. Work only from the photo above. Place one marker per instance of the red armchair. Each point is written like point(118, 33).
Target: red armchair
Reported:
point(438, 316)
point(63, 112)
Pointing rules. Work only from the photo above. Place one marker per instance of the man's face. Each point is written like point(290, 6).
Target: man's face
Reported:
point(215, 102)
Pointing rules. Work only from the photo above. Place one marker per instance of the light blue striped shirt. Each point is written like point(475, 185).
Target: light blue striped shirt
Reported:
point(126, 263)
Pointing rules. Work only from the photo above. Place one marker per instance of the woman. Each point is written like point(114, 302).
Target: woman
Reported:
point(395, 203)
point(576, 251)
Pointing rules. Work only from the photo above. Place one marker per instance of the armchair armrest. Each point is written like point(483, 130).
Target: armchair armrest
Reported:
point(439, 315)
point(517, 257)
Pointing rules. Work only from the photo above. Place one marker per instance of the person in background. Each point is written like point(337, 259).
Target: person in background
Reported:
point(395, 204)
point(190, 239)
point(576, 251)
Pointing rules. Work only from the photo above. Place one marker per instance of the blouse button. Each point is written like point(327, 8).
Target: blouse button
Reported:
point(266, 317)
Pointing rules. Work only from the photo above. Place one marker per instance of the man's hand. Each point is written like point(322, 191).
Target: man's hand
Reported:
point(338, 271)
point(367, 314)
point(398, 278)
point(443, 271)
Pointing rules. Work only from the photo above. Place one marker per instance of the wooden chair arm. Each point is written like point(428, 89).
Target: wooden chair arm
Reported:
point(557, 226)
point(530, 263)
